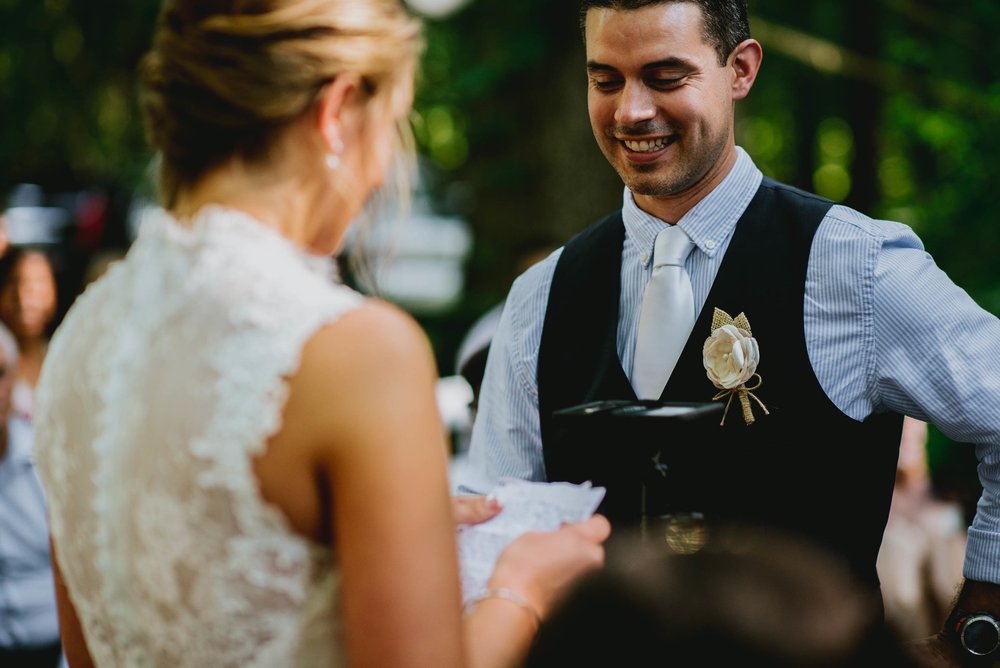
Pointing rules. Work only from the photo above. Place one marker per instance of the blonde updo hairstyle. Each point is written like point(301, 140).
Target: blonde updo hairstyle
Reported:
point(224, 78)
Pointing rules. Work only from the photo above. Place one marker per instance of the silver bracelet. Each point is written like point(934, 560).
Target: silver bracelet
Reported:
point(507, 595)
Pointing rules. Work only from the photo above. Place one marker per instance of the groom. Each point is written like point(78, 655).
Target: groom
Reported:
point(855, 324)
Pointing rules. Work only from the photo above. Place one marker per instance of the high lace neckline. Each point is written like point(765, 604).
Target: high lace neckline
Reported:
point(214, 220)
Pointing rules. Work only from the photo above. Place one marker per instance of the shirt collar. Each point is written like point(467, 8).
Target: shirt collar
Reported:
point(709, 223)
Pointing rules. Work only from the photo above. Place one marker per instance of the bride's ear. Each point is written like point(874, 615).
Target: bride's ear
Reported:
point(338, 112)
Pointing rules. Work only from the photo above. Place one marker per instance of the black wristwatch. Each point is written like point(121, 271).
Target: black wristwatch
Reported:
point(978, 635)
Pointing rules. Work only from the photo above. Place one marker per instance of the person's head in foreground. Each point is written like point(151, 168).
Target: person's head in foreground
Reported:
point(747, 597)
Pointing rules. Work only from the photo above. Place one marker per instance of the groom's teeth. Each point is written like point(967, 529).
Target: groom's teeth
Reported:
point(646, 146)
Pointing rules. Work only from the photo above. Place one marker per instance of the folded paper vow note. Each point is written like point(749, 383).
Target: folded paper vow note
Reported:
point(526, 506)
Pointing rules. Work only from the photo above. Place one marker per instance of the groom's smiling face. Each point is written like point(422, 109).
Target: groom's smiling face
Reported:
point(661, 105)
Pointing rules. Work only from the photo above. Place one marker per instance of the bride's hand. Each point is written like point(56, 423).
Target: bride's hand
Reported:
point(473, 509)
point(542, 565)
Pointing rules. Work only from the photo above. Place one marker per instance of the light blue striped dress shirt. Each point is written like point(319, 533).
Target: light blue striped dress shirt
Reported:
point(886, 330)
point(28, 615)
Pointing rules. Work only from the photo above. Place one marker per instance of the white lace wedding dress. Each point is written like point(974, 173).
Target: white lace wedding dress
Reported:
point(161, 385)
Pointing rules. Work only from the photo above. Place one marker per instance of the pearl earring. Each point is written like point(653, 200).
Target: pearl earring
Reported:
point(333, 156)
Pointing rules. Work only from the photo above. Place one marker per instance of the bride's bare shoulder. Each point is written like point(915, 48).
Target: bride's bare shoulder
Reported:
point(370, 361)
point(373, 335)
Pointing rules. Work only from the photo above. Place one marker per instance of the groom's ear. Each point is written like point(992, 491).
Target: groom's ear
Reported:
point(745, 61)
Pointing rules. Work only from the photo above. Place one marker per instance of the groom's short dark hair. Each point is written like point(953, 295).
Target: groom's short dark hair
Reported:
point(726, 22)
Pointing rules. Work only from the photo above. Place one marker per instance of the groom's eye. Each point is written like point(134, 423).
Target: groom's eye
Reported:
point(664, 82)
point(605, 84)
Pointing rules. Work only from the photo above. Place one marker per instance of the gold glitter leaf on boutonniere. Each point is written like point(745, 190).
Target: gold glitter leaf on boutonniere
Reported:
point(731, 356)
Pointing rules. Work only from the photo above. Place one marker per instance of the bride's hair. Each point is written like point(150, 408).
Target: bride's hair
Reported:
point(224, 77)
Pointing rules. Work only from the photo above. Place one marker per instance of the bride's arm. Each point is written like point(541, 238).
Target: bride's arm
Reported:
point(381, 447)
point(366, 391)
point(71, 634)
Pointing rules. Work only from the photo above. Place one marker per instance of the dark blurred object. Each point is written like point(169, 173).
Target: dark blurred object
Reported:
point(641, 452)
point(745, 598)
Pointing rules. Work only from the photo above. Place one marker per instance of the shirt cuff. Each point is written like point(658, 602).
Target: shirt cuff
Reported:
point(982, 556)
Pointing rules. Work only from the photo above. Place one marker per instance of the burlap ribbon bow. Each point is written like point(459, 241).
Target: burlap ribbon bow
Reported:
point(730, 357)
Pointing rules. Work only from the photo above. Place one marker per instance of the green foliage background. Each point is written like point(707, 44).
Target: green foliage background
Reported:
point(891, 106)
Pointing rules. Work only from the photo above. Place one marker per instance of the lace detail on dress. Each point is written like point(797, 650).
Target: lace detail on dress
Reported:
point(164, 381)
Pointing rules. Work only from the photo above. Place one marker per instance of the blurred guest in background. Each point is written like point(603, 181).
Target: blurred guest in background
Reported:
point(920, 562)
point(28, 301)
point(29, 627)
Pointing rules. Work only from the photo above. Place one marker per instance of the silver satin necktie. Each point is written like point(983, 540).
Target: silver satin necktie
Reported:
point(667, 314)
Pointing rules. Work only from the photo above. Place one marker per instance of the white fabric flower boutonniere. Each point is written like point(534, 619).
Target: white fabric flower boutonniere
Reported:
point(731, 356)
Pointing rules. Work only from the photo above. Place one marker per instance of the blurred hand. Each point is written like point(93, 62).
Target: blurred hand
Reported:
point(473, 509)
point(542, 565)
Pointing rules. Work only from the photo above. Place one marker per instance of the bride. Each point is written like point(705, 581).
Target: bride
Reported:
point(242, 458)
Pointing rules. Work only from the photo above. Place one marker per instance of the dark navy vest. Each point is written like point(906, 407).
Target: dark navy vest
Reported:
point(805, 468)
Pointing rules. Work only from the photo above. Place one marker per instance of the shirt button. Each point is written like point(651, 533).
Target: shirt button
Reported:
point(710, 244)
point(644, 258)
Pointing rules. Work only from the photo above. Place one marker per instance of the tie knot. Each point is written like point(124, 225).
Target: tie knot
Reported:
point(672, 247)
